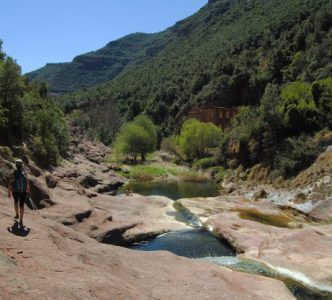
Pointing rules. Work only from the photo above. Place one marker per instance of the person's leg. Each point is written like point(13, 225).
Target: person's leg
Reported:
point(22, 200)
point(15, 196)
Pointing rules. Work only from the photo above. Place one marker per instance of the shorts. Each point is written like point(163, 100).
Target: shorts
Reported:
point(20, 198)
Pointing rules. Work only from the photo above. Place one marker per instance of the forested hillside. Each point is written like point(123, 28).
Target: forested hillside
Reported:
point(224, 54)
point(273, 57)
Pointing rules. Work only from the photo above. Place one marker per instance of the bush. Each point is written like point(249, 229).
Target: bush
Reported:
point(293, 155)
point(204, 163)
point(45, 151)
point(197, 138)
point(171, 145)
point(322, 93)
point(298, 108)
point(218, 173)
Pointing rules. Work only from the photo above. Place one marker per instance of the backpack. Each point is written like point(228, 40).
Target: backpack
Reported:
point(20, 182)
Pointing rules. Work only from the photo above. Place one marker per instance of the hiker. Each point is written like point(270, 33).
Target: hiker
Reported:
point(19, 188)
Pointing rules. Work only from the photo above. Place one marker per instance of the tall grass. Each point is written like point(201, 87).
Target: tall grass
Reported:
point(150, 172)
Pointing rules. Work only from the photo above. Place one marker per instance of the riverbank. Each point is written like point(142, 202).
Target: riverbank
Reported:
point(66, 245)
point(78, 210)
point(290, 245)
point(158, 166)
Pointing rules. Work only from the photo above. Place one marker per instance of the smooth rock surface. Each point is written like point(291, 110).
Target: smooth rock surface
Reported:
point(48, 260)
point(306, 251)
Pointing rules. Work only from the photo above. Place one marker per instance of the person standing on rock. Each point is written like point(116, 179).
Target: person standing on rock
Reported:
point(19, 188)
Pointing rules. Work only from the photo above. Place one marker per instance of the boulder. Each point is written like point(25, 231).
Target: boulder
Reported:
point(51, 181)
point(125, 219)
point(323, 211)
point(260, 194)
point(38, 190)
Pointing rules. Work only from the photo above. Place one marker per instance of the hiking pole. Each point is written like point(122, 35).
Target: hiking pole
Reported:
point(33, 205)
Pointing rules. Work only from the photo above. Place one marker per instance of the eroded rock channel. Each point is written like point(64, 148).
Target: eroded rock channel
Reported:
point(264, 237)
point(76, 210)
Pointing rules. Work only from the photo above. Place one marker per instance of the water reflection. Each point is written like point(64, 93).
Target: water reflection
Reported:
point(194, 243)
point(173, 189)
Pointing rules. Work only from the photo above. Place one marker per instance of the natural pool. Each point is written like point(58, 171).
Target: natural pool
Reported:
point(201, 244)
point(194, 243)
point(173, 189)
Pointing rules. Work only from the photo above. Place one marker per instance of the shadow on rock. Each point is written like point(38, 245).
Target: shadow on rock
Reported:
point(16, 230)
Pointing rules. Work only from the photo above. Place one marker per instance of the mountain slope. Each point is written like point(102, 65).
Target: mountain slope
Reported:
point(224, 54)
point(99, 66)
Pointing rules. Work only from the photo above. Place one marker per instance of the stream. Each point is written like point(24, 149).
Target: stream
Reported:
point(198, 243)
point(173, 189)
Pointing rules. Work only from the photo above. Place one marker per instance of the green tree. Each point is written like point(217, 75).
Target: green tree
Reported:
point(270, 116)
point(171, 145)
point(322, 93)
point(27, 115)
point(135, 138)
point(298, 108)
point(197, 138)
point(11, 89)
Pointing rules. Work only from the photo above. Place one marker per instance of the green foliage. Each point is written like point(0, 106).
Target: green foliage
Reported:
point(149, 172)
point(148, 126)
point(27, 115)
point(204, 163)
point(45, 150)
point(218, 173)
point(79, 118)
point(171, 145)
point(272, 56)
point(276, 132)
point(138, 137)
point(322, 93)
point(11, 89)
point(201, 61)
point(197, 138)
point(298, 108)
point(293, 155)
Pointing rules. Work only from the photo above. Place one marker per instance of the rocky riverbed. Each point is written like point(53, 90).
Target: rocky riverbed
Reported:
point(289, 229)
point(67, 248)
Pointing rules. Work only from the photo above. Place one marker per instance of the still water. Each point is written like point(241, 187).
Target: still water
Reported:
point(194, 243)
point(173, 189)
point(201, 244)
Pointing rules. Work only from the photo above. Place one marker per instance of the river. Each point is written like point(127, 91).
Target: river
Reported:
point(198, 243)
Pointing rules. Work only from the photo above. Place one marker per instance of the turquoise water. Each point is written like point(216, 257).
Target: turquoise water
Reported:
point(173, 189)
point(193, 243)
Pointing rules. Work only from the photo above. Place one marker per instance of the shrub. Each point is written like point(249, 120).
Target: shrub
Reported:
point(204, 163)
point(293, 155)
point(197, 138)
point(298, 108)
point(45, 151)
point(171, 145)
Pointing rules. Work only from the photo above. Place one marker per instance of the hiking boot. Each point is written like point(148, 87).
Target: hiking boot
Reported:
point(21, 224)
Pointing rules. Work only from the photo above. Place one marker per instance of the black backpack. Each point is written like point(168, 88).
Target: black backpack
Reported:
point(20, 182)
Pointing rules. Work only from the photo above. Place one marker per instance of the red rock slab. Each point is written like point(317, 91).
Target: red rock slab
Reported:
point(304, 251)
point(56, 262)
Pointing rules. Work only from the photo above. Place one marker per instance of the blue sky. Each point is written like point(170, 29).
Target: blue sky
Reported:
point(35, 32)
